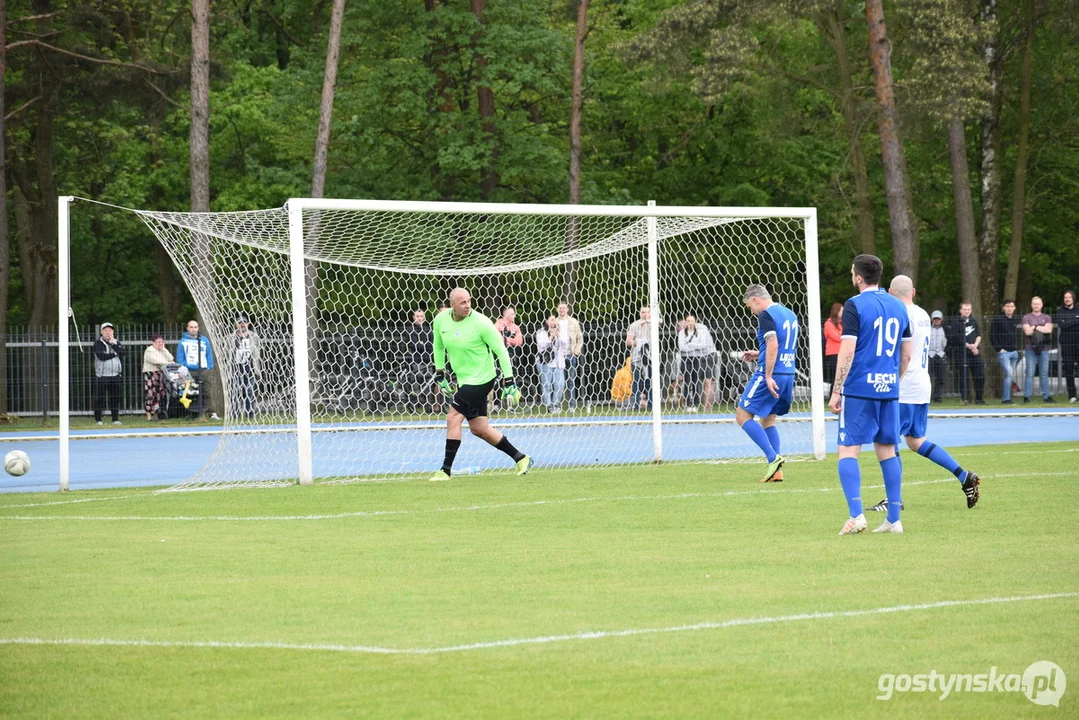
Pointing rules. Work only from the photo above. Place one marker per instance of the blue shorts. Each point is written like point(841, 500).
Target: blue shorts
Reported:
point(758, 400)
point(864, 421)
point(913, 419)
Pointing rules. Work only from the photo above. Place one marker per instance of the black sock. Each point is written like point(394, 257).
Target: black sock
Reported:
point(451, 452)
point(507, 447)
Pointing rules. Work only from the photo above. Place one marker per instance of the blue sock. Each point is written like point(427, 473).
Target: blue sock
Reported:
point(756, 434)
point(893, 483)
point(773, 437)
point(850, 477)
point(940, 456)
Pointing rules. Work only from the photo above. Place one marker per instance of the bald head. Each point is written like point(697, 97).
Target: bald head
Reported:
point(902, 287)
point(460, 302)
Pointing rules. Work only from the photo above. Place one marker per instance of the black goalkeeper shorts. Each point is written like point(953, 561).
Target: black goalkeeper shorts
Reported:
point(471, 400)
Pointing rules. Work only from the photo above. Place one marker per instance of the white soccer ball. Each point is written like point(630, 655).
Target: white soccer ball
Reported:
point(17, 463)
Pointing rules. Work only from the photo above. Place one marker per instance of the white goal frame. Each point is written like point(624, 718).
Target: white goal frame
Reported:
point(298, 206)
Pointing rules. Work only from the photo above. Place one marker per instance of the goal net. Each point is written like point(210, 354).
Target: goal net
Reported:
point(340, 295)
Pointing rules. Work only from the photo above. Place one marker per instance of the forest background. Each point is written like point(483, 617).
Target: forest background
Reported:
point(946, 140)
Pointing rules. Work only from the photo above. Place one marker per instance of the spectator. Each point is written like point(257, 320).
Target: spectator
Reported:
point(971, 365)
point(571, 329)
point(1002, 335)
point(154, 358)
point(418, 370)
point(513, 338)
point(196, 354)
point(938, 341)
point(1038, 329)
point(697, 351)
point(833, 334)
point(108, 368)
point(638, 337)
point(510, 331)
point(1068, 322)
point(246, 367)
point(552, 349)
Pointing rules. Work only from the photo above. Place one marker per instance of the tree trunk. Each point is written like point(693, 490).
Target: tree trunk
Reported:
point(576, 101)
point(573, 227)
point(199, 169)
point(441, 98)
point(318, 174)
point(5, 244)
point(486, 100)
point(897, 185)
point(1011, 279)
point(832, 26)
point(200, 107)
point(329, 87)
point(964, 214)
point(992, 197)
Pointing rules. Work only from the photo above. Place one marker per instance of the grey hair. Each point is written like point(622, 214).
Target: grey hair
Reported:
point(756, 290)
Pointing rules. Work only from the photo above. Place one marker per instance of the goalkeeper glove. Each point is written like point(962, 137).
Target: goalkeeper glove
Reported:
point(444, 385)
point(511, 395)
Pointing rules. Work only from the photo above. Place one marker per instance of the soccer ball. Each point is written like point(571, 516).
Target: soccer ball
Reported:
point(17, 463)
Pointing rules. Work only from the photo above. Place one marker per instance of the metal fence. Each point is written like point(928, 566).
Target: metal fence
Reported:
point(32, 362)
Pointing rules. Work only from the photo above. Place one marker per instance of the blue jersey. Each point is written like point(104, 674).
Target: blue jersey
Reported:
point(781, 322)
point(880, 324)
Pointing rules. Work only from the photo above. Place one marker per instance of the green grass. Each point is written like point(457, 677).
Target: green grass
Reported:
point(483, 559)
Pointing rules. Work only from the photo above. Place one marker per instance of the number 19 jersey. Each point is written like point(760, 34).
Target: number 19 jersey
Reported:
point(880, 324)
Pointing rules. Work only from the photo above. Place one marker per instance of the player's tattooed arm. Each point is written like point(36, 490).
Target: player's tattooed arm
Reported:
point(843, 364)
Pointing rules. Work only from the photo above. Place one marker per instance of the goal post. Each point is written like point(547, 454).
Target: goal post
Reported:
point(345, 393)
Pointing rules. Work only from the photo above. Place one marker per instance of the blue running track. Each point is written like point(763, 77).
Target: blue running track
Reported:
point(120, 460)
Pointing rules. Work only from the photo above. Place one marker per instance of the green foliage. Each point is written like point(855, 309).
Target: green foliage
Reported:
point(714, 102)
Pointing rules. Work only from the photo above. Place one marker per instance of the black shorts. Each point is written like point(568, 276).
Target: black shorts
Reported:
point(471, 400)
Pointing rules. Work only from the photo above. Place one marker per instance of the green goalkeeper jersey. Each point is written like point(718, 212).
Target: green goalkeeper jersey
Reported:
point(469, 344)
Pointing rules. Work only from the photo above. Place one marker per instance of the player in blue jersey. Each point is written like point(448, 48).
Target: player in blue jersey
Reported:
point(873, 354)
point(768, 393)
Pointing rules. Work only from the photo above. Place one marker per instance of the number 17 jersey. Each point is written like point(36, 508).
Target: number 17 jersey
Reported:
point(880, 324)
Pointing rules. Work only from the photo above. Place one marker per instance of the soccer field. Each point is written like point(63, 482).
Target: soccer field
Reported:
point(674, 591)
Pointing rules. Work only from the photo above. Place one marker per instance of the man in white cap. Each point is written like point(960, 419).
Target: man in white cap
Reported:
point(108, 368)
point(938, 340)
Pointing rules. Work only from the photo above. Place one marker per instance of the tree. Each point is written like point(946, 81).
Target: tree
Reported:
point(329, 87)
point(5, 242)
point(715, 43)
point(1011, 279)
point(485, 101)
point(896, 180)
point(199, 139)
point(946, 86)
point(576, 102)
point(991, 147)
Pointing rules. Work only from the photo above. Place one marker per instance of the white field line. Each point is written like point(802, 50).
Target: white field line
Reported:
point(540, 640)
point(472, 508)
point(70, 502)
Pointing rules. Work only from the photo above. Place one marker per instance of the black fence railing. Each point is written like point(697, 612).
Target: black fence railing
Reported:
point(33, 365)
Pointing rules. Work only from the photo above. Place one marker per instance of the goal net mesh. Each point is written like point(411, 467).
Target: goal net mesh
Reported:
point(375, 410)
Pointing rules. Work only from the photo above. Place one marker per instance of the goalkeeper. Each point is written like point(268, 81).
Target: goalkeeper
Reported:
point(468, 339)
